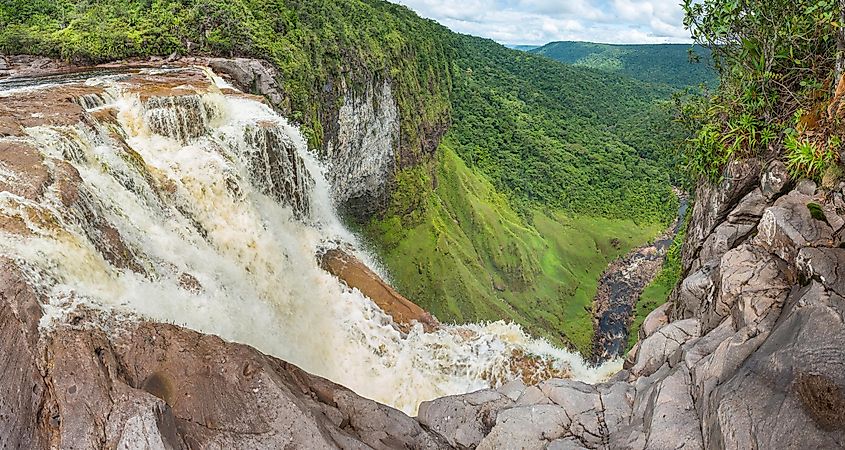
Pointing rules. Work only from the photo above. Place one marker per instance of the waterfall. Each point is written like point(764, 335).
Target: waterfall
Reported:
point(202, 207)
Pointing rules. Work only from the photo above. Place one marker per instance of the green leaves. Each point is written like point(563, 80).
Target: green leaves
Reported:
point(775, 57)
point(806, 159)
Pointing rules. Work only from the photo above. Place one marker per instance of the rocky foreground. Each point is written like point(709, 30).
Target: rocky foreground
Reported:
point(750, 352)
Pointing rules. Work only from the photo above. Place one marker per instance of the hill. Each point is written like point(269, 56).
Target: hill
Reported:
point(654, 63)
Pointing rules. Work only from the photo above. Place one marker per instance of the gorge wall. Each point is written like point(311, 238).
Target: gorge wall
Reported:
point(747, 354)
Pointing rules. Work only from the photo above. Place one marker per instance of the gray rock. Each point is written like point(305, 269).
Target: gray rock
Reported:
point(513, 390)
point(749, 210)
point(655, 350)
point(362, 157)
point(672, 420)
point(655, 320)
point(789, 393)
point(583, 406)
point(533, 396)
point(788, 226)
point(253, 76)
point(569, 443)
point(826, 265)
point(697, 292)
point(740, 222)
point(714, 203)
point(527, 428)
point(774, 180)
point(807, 187)
point(753, 285)
point(617, 401)
point(725, 237)
point(464, 420)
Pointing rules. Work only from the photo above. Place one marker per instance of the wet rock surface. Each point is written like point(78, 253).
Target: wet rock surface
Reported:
point(356, 275)
point(162, 386)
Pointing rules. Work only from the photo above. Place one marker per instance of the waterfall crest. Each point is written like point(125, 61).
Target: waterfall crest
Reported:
point(175, 198)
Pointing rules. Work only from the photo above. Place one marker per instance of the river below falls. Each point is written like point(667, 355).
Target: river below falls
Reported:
point(620, 287)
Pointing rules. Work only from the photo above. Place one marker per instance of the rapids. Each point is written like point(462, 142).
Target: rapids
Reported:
point(222, 209)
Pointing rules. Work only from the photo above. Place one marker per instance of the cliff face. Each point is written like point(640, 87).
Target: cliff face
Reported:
point(361, 145)
point(749, 353)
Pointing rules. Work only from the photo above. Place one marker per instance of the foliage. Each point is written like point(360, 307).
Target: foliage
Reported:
point(678, 65)
point(816, 211)
point(571, 138)
point(314, 43)
point(805, 158)
point(775, 58)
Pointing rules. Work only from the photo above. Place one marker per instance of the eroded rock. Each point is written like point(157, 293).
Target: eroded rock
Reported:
point(356, 275)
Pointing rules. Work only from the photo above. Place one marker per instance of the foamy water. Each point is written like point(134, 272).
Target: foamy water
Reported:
point(196, 206)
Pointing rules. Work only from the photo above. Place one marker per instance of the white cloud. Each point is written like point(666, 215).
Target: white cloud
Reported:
point(542, 21)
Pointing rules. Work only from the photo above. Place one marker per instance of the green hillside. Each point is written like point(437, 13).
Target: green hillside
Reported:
point(654, 63)
point(545, 167)
point(547, 172)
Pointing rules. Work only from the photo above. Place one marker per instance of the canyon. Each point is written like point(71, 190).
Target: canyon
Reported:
point(174, 271)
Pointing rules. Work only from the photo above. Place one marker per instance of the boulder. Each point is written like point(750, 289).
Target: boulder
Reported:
point(655, 350)
point(464, 420)
point(655, 320)
point(527, 428)
point(790, 393)
point(253, 76)
point(774, 180)
point(356, 275)
point(697, 292)
point(753, 284)
point(789, 225)
point(825, 265)
point(672, 419)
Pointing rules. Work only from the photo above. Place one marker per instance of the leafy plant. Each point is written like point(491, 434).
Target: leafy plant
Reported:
point(808, 159)
point(775, 58)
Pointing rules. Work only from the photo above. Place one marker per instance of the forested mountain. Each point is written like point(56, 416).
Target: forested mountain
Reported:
point(538, 153)
point(678, 65)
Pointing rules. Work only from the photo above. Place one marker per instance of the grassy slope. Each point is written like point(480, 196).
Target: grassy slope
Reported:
point(473, 258)
point(654, 63)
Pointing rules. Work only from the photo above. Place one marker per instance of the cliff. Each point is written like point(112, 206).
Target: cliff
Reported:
point(747, 354)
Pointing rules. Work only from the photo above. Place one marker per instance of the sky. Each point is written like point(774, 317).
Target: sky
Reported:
point(536, 22)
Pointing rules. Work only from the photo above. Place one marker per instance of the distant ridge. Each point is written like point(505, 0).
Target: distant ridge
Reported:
point(655, 63)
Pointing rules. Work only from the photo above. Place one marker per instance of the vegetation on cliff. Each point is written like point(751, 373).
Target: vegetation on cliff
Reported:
point(313, 43)
point(777, 65)
point(678, 65)
point(471, 256)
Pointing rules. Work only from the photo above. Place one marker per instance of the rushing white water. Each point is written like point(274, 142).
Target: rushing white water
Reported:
point(221, 190)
